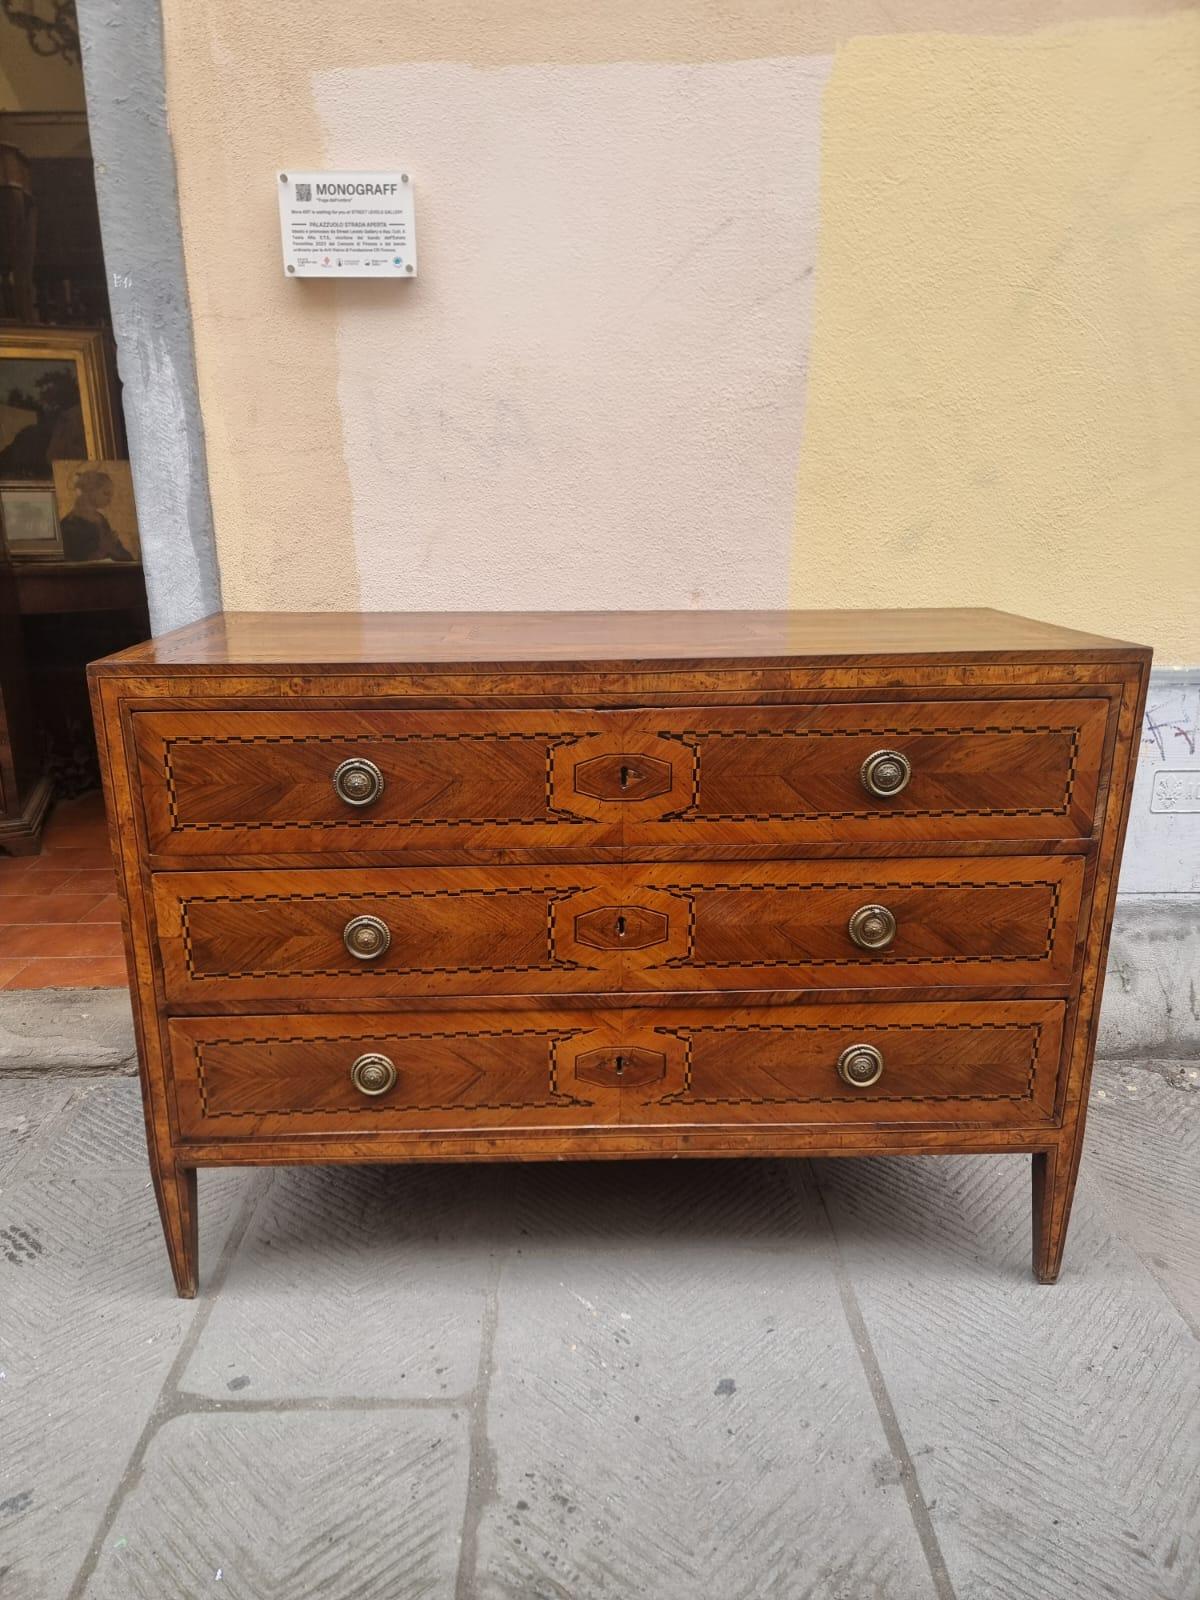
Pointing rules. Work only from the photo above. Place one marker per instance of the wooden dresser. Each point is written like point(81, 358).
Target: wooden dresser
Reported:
point(521, 887)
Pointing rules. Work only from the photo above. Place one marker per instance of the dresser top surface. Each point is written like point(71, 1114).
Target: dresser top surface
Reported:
point(591, 639)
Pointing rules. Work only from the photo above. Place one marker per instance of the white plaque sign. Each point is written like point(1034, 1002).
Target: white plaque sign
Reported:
point(347, 224)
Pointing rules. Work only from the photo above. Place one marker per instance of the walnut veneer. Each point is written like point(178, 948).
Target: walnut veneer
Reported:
point(514, 887)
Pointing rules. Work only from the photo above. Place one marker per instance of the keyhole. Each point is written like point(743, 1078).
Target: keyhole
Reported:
point(624, 777)
point(620, 924)
point(620, 1065)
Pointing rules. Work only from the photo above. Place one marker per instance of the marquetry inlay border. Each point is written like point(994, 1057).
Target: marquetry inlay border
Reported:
point(692, 811)
point(692, 891)
point(553, 742)
point(389, 1105)
point(682, 1096)
point(554, 896)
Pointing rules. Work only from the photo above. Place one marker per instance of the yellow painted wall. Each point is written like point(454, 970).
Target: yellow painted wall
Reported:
point(991, 399)
point(1004, 394)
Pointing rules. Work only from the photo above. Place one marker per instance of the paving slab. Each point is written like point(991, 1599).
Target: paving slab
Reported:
point(89, 1327)
point(255, 1505)
point(677, 1408)
point(103, 1127)
point(357, 1281)
point(66, 1030)
point(1055, 1429)
point(27, 1105)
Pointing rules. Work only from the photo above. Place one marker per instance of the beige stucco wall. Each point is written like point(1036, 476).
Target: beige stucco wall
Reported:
point(809, 305)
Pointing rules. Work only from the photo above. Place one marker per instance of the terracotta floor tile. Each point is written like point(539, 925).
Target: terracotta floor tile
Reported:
point(88, 880)
point(16, 866)
point(44, 881)
point(108, 911)
point(47, 907)
point(59, 911)
point(75, 839)
point(104, 972)
point(76, 856)
point(61, 939)
point(85, 815)
point(81, 805)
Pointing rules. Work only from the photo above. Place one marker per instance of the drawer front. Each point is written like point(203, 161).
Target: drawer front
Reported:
point(981, 1065)
point(251, 1077)
point(286, 782)
point(410, 931)
point(991, 1064)
point(1000, 921)
point(470, 783)
point(249, 936)
point(1003, 769)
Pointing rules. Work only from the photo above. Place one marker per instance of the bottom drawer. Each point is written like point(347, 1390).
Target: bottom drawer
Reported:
point(992, 1064)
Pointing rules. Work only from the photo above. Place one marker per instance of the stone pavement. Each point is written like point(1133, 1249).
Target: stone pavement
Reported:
point(686, 1381)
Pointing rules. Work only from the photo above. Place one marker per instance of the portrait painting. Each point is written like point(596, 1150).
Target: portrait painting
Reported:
point(97, 517)
point(55, 401)
point(29, 522)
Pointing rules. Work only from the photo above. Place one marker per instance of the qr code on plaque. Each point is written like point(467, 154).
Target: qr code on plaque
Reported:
point(303, 192)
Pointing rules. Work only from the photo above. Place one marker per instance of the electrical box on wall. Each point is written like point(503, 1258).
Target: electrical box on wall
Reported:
point(347, 224)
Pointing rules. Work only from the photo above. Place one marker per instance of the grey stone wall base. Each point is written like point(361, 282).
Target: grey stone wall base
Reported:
point(1152, 996)
point(1183, 1075)
point(66, 1030)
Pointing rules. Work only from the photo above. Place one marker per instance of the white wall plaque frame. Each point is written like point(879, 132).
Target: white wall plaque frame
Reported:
point(347, 224)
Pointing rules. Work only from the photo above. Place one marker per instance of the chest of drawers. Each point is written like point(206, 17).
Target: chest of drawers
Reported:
point(519, 887)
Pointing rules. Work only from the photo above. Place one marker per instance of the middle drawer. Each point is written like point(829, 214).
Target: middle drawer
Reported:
point(246, 937)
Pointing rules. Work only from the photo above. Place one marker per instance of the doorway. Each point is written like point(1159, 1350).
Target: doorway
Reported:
point(71, 580)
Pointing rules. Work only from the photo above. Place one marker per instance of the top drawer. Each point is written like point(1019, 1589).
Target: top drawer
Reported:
point(474, 782)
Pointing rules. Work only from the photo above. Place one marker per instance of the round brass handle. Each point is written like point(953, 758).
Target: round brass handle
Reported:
point(358, 781)
point(860, 1065)
point(886, 773)
point(872, 927)
point(367, 937)
point(373, 1074)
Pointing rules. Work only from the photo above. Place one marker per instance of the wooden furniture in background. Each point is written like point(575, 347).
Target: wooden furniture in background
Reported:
point(54, 588)
point(18, 230)
point(55, 616)
point(517, 887)
point(25, 786)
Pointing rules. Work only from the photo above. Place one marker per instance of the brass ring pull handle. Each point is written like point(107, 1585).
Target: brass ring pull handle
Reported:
point(886, 773)
point(373, 1074)
point(367, 937)
point(860, 1065)
point(872, 927)
point(358, 781)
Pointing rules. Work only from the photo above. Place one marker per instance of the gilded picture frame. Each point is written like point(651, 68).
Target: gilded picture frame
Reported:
point(56, 400)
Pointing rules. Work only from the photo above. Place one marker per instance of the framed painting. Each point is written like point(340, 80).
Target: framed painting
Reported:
point(96, 513)
point(55, 401)
point(29, 522)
